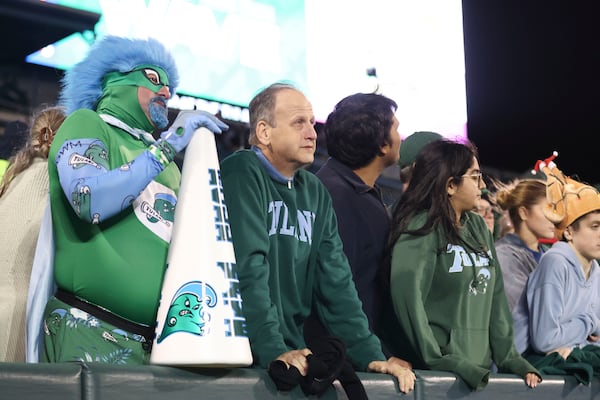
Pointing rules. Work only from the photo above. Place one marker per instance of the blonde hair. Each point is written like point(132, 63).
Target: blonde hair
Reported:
point(44, 125)
point(526, 193)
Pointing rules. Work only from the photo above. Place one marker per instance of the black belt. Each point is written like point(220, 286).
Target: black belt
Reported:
point(103, 314)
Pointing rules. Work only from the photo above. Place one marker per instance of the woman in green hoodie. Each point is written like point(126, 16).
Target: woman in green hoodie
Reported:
point(449, 308)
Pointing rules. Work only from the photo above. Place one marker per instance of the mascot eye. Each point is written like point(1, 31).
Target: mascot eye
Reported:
point(152, 76)
point(172, 321)
point(187, 302)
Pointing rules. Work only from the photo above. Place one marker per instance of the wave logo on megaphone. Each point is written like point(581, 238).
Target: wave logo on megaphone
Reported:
point(189, 310)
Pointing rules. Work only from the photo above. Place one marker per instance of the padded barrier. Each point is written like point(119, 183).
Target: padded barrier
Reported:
point(94, 381)
point(40, 381)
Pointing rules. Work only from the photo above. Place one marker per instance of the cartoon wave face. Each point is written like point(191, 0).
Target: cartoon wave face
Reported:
point(187, 312)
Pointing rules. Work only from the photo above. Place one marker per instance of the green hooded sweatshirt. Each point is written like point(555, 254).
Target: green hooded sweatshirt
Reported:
point(289, 259)
point(450, 304)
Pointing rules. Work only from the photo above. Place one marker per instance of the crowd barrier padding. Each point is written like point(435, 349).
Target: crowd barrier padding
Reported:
point(95, 381)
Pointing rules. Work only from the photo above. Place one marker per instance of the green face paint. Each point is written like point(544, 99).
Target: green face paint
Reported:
point(148, 76)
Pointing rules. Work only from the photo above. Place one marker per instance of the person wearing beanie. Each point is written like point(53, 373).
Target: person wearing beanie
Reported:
point(563, 292)
point(411, 146)
point(23, 197)
point(111, 227)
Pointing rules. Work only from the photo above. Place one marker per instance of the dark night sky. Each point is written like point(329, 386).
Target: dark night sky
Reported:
point(532, 71)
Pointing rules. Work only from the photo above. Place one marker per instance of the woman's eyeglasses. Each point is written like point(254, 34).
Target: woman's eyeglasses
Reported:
point(476, 176)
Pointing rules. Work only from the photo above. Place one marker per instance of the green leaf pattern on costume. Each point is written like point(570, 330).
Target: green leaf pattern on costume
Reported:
point(118, 356)
point(77, 319)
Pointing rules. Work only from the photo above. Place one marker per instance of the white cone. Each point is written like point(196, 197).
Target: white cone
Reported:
point(200, 321)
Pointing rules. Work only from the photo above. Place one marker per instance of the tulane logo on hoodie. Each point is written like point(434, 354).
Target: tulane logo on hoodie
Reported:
point(475, 263)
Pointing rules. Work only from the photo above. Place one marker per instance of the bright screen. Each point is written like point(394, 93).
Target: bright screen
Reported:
point(226, 50)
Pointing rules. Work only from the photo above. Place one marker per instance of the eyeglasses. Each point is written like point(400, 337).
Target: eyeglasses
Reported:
point(476, 176)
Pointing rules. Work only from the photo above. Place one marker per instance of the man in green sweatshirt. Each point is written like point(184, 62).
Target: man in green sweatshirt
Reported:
point(289, 254)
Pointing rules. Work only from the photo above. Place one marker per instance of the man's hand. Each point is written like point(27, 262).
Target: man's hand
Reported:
point(406, 378)
point(296, 358)
point(186, 123)
point(593, 338)
point(400, 362)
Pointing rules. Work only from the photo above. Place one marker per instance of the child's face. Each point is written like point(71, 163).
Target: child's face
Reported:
point(586, 238)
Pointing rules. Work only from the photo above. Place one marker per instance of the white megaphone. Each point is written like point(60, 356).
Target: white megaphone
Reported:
point(200, 320)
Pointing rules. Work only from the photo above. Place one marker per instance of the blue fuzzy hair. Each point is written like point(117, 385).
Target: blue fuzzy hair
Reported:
point(82, 84)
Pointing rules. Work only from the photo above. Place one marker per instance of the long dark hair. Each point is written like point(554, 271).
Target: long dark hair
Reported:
point(437, 162)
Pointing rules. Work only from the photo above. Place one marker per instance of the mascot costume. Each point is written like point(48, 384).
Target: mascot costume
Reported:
point(101, 256)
